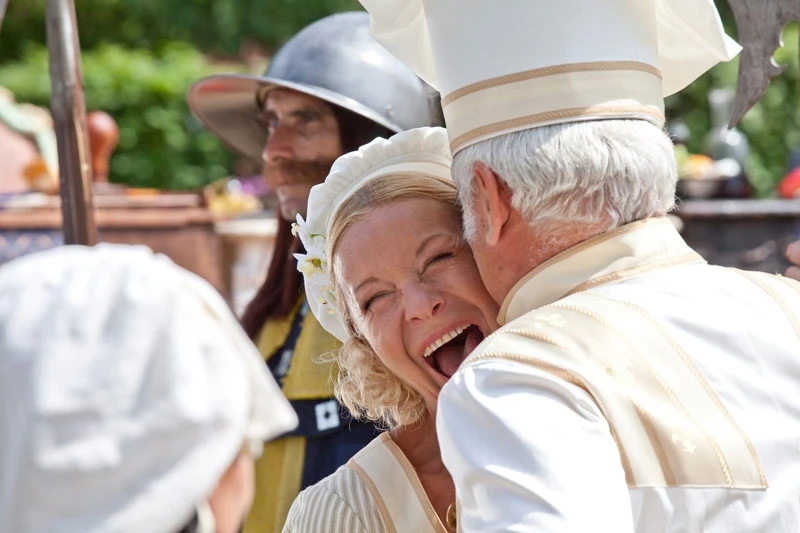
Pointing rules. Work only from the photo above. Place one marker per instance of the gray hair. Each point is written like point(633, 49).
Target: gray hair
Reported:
point(603, 173)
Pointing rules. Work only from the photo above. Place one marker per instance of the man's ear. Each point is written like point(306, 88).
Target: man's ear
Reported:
point(492, 201)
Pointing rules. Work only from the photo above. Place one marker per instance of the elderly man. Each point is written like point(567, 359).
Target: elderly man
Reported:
point(631, 387)
point(327, 91)
point(130, 398)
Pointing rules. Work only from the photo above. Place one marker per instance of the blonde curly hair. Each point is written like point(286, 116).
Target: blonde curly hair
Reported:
point(364, 385)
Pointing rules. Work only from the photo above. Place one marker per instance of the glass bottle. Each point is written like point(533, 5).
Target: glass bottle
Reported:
point(723, 142)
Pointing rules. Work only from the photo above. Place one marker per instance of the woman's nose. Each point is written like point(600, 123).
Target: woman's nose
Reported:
point(422, 302)
point(280, 145)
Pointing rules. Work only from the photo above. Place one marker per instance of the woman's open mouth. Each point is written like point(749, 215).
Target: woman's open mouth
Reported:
point(447, 353)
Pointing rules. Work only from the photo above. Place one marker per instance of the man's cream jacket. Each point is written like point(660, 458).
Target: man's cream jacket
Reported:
point(633, 387)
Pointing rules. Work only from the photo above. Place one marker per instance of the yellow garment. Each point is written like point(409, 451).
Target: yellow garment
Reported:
point(279, 470)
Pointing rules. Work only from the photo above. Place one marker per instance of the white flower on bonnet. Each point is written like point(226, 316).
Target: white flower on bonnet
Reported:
point(423, 150)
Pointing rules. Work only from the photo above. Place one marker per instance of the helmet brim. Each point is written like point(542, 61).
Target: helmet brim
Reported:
point(228, 105)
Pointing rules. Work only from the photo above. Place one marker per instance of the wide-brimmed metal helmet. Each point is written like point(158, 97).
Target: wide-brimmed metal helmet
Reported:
point(333, 59)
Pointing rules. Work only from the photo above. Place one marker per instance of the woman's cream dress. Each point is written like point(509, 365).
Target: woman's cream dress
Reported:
point(376, 491)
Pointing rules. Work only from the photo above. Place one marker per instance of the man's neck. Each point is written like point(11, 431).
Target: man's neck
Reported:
point(528, 248)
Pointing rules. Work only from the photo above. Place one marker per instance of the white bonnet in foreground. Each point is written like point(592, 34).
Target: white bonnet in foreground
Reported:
point(126, 390)
point(422, 151)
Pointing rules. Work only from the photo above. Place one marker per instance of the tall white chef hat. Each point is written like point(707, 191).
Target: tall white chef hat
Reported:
point(508, 65)
point(127, 388)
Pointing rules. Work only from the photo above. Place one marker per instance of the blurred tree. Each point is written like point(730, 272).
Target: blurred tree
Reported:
point(213, 26)
point(161, 144)
point(772, 126)
point(136, 69)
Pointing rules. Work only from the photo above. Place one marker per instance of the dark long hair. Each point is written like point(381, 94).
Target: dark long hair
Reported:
point(278, 294)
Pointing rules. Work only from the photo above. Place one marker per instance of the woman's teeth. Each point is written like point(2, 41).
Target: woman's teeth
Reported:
point(441, 341)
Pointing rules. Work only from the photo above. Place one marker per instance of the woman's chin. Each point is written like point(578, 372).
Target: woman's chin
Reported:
point(437, 381)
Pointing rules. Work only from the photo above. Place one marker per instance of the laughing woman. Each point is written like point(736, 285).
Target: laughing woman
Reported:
point(388, 272)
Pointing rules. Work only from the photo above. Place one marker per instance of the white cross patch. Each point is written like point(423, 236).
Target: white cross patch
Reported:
point(327, 415)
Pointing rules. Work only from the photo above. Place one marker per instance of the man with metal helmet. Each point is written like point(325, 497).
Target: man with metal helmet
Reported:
point(327, 91)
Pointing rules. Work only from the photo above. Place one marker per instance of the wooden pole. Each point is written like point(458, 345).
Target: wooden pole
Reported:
point(69, 118)
point(3, 6)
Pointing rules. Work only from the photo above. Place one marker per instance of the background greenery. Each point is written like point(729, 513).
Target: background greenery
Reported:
point(161, 144)
point(214, 26)
point(772, 127)
point(140, 56)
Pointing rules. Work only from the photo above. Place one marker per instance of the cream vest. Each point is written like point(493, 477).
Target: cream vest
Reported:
point(676, 354)
point(395, 487)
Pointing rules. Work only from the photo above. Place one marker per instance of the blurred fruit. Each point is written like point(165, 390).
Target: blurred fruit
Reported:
point(694, 166)
point(789, 187)
point(227, 197)
point(40, 178)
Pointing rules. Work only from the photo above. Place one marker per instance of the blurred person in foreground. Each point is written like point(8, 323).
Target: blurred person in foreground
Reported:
point(326, 92)
point(631, 386)
point(407, 317)
point(130, 397)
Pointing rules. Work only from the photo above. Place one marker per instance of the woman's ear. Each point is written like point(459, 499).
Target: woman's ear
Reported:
point(492, 202)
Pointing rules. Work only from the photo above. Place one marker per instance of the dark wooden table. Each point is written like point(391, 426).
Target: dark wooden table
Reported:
point(176, 225)
point(746, 234)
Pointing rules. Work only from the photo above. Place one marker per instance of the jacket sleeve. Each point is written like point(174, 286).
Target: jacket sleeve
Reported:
point(529, 452)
